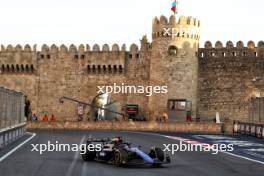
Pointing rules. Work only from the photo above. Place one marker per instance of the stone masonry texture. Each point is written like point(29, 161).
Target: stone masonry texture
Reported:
point(215, 78)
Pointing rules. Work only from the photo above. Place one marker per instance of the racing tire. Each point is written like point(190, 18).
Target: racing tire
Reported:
point(157, 153)
point(88, 155)
point(120, 158)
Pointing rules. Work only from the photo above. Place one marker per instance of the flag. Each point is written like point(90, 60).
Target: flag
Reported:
point(174, 7)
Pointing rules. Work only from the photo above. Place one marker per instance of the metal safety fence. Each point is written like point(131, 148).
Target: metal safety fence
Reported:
point(252, 129)
point(12, 116)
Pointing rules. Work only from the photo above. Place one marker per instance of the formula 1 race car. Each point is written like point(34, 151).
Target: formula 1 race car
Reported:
point(119, 153)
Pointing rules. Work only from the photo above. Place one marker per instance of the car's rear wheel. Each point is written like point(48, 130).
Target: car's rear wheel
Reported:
point(120, 158)
point(88, 155)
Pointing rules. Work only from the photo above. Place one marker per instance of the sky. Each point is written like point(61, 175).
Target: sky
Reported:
point(123, 21)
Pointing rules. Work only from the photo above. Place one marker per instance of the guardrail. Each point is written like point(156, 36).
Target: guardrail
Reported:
point(11, 134)
point(252, 129)
point(12, 116)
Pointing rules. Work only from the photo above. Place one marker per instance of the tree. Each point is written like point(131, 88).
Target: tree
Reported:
point(144, 39)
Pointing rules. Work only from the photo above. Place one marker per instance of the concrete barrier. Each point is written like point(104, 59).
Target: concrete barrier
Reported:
point(11, 134)
point(131, 126)
point(12, 120)
point(252, 129)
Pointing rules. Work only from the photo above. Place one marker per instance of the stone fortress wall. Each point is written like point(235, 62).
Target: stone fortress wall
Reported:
point(216, 79)
point(46, 75)
point(229, 77)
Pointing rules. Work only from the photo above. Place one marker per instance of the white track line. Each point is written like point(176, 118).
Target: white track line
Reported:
point(17, 147)
point(184, 140)
point(73, 163)
point(188, 141)
point(243, 157)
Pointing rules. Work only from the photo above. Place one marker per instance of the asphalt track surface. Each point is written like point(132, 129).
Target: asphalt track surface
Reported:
point(24, 162)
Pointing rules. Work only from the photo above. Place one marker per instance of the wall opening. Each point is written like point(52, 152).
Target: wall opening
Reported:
point(115, 69)
point(172, 50)
point(88, 69)
point(120, 69)
point(109, 69)
point(104, 69)
point(94, 69)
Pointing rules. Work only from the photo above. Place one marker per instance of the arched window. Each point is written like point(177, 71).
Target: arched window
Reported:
point(22, 68)
point(7, 68)
point(115, 69)
point(244, 54)
point(109, 69)
point(3, 68)
point(94, 69)
point(99, 69)
point(172, 50)
point(32, 68)
point(104, 69)
point(12, 68)
point(17, 68)
point(88, 69)
point(120, 69)
point(27, 68)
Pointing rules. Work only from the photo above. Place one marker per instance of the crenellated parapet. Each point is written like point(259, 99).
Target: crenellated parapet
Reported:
point(96, 58)
point(82, 48)
point(18, 48)
point(232, 50)
point(184, 27)
point(72, 49)
point(18, 59)
point(114, 61)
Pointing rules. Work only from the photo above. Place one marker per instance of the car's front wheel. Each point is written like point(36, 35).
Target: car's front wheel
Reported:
point(157, 153)
point(120, 158)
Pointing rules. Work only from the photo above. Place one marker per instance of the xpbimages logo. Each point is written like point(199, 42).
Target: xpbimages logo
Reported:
point(59, 147)
point(129, 89)
point(180, 31)
point(186, 147)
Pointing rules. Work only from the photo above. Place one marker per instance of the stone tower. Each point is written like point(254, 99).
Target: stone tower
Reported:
point(174, 61)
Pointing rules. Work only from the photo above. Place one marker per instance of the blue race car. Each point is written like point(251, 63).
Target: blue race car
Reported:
point(119, 153)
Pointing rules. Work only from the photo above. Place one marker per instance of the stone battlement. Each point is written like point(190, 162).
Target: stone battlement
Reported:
point(95, 59)
point(71, 49)
point(231, 50)
point(230, 45)
point(172, 21)
point(185, 27)
point(18, 48)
